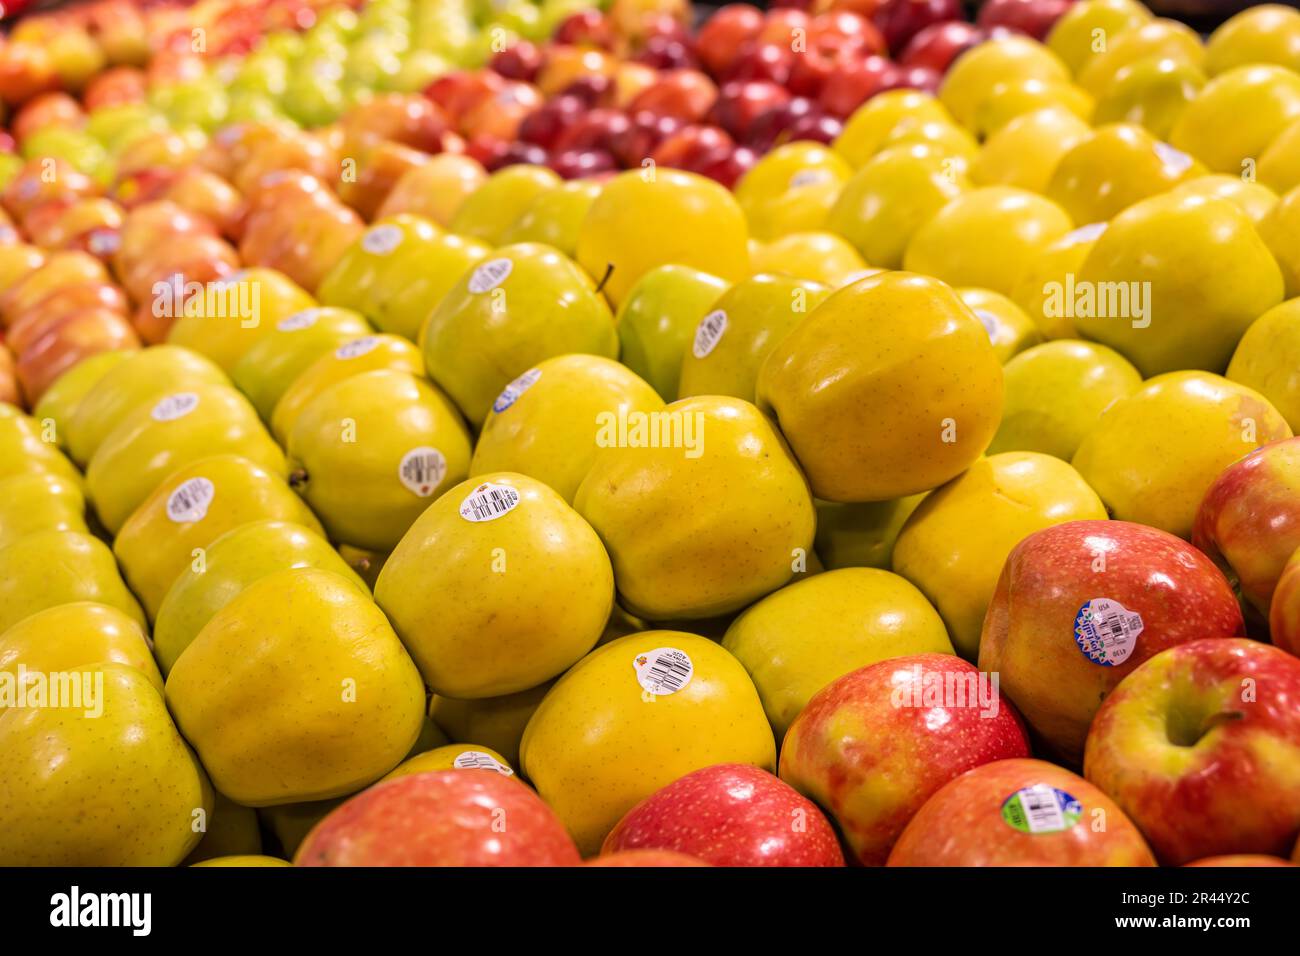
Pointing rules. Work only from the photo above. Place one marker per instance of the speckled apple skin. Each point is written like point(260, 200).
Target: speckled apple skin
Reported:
point(444, 818)
point(872, 765)
point(1237, 790)
point(730, 815)
point(1249, 520)
point(636, 858)
point(962, 824)
point(1028, 636)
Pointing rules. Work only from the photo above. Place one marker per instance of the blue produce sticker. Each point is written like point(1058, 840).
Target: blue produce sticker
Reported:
point(1106, 631)
point(511, 393)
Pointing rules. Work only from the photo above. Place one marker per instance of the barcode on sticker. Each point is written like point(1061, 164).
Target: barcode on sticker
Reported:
point(381, 240)
point(357, 347)
point(298, 321)
point(490, 275)
point(1106, 631)
point(190, 502)
point(708, 333)
point(488, 502)
point(1041, 809)
point(174, 406)
point(422, 470)
point(510, 394)
point(478, 760)
point(663, 671)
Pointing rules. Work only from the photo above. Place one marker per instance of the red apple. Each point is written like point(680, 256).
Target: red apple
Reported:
point(519, 61)
point(597, 129)
point(461, 90)
point(1020, 813)
point(1249, 519)
point(1079, 606)
point(780, 26)
point(740, 103)
point(67, 342)
point(593, 90)
point(1034, 17)
point(724, 34)
point(446, 818)
point(725, 165)
point(916, 722)
point(667, 53)
point(770, 129)
point(900, 20)
point(1284, 613)
point(689, 144)
point(581, 163)
point(645, 858)
point(585, 28)
point(730, 815)
point(643, 134)
point(401, 117)
point(940, 43)
point(47, 110)
point(685, 94)
point(762, 61)
point(1201, 747)
point(854, 83)
point(1242, 859)
point(817, 127)
point(544, 125)
point(115, 87)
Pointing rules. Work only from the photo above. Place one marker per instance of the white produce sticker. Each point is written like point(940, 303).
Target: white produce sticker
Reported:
point(488, 502)
point(478, 760)
point(708, 333)
point(1106, 631)
point(298, 321)
point(174, 406)
point(381, 240)
point(190, 502)
point(510, 394)
point(357, 347)
point(490, 275)
point(663, 671)
point(808, 177)
point(422, 469)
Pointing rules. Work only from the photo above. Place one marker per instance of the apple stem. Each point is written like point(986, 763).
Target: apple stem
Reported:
point(609, 271)
point(297, 478)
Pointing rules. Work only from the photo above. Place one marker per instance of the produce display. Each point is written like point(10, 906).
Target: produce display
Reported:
point(548, 433)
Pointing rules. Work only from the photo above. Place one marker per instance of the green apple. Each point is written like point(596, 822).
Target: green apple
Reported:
point(427, 275)
point(554, 216)
point(527, 303)
point(494, 208)
point(1010, 330)
point(657, 322)
point(49, 568)
point(59, 402)
point(861, 534)
point(367, 272)
point(39, 501)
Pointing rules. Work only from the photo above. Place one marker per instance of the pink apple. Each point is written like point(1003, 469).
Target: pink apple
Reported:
point(730, 815)
point(1080, 605)
point(445, 818)
point(1201, 747)
point(1020, 813)
point(872, 746)
point(1249, 520)
point(639, 858)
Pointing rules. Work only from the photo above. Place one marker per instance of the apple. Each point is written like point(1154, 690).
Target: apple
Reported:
point(1033, 17)
point(724, 34)
point(759, 60)
point(47, 110)
point(444, 818)
point(1079, 606)
point(644, 132)
point(940, 43)
point(1249, 519)
point(900, 20)
point(667, 53)
point(544, 125)
point(685, 94)
point(582, 163)
point(741, 102)
point(519, 61)
point(1242, 859)
point(67, 342)
point(854, 83)
point(725, 165)
point(114, 87)
point(1020, 813)
point(596, 129)
point(873, 745)
point(645, 858)
point(689, 144)
point(1284, 612)
point(1201, 747)
point(564, 64)
point(729, 815)
point(585, 28)
point(594, 89)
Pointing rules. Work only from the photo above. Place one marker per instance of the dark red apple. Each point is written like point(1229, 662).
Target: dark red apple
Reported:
point(853, 84)
point(689, 144)
point(686, 94)
point(940, 43)
point(741, 102)
point(730, 815)
point(900, 20)
point(585, 28)
point(725, 165)
point(817, 127)
point(519, 61)
point(581, 163)
point(762, 61)
point(445, 818)
point(724, 34)
point(592, 89)
point(644, 132)
point(768, 129)
point(667, 53)
point(915, 721)
point(543, 125)
point(1033, 17)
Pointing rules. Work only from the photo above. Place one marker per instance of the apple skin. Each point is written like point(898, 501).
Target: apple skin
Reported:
point(900, 20)
point(940, 43)
point(1284, 613)
point(730, 815)
point(444, 818)
point(1028, 635)
point(1033, 17)
point(850, 738)
point(1249, 519)
point(1242, 859)
point(962, 824)
point(640, 858)
point(1233, 789)
point(724, 34)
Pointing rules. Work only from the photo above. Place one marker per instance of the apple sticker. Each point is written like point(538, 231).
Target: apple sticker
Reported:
point(478, 760)
point(356, 348)
point(488, 502)
point(1106, 631)
point(663, 671)
point(422, 470)
point(1041, 809)
point(174, 406)
point(381, 240)
point(490, 275)
point(708, 333)
point(190, 501)
point(510, 394)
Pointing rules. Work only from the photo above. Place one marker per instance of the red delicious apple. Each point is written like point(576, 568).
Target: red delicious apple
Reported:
point(445, 818)
point(817, 127)
point(690, 143)
point(667, 53)
point(771, 128)
point(1242, 859)
point(854, 83)
point(545, 124)
point(685, 94)
point(515, 154)
point(872, 746)
point(645, 858)
point(1201, 747)
point(645, 132)
point(730, 815)
point(519, 61)
point(1034, 17)
point(593, 90)
point(724, 34)
point(900, 20)
point(597, 129)
point(1249, 519)
point(741, 102)
point(1079, 606)
point(581, 163)
point(725, 165)
point(940, 43)
point(762, 61)
point(585, 28)
point(1020, 813)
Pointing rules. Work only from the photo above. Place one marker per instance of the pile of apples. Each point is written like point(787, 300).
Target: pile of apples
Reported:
point(435, 433)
